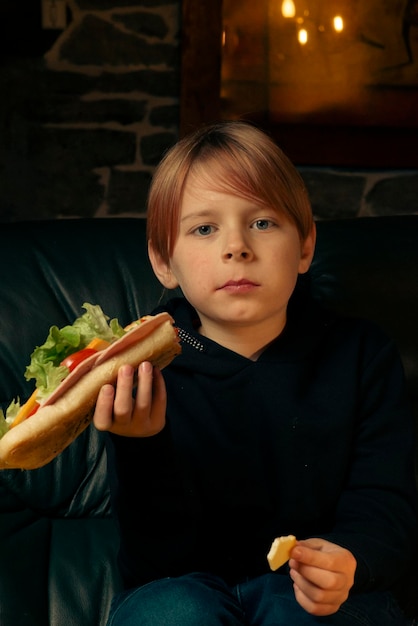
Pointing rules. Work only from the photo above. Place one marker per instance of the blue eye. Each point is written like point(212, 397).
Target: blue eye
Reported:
point(262, 224)
point(204, 230)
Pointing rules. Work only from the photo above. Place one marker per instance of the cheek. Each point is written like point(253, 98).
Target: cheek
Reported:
point(296, 262)
point(288, 257)
point(195, 277)
point(190, 263)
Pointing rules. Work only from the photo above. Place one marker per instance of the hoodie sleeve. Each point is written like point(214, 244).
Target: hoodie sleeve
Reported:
point(376, 517)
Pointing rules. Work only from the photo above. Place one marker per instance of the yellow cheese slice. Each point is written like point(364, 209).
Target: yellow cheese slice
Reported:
point(280, 551)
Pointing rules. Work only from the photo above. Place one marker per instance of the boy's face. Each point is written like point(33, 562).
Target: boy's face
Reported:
point(236, 262)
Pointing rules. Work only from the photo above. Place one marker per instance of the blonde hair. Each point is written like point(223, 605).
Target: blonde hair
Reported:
point(235, 157)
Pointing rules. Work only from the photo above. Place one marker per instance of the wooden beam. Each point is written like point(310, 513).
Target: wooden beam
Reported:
point(201, 49)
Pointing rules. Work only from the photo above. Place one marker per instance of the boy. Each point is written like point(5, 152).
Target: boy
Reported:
point(277, 418)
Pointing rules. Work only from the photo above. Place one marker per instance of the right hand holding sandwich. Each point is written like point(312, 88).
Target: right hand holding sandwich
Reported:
point(118, 412)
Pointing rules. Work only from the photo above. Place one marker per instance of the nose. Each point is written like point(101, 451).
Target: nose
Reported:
point(236, 247)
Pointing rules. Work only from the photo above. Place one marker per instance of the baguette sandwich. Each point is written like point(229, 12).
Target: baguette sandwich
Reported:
point(69, 369)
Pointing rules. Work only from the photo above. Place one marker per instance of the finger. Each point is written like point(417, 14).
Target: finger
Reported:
point(309, 554)
point(103, 413)
point(151, 400)
point(122, 408)
point(144, 390)
point(316, 557)
point(317, 583)
point(318, 554)
point(314, 607)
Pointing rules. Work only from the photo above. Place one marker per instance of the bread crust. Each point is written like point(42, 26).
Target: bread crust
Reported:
point(40, 438)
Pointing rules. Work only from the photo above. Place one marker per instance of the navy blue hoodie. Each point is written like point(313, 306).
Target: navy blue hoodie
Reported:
point(313, 439)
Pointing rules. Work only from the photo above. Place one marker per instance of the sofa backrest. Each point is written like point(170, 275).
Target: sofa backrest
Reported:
point(368, 267)
point(58, 543)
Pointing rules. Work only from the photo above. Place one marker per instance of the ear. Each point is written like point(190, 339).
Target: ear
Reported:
point(162, 270)
point(307, 251)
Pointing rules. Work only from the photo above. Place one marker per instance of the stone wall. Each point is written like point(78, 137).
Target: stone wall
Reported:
point(346, 193)
point(84, 122)
point(83, 125)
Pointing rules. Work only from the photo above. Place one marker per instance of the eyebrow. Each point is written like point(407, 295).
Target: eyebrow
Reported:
point(199, 215)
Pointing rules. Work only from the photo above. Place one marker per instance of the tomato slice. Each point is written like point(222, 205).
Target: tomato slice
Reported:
point(35, 408)
point(75, 359)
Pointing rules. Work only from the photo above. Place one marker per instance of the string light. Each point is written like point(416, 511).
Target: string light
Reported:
point(288, 8)
point(338, 23)
point(303, 36)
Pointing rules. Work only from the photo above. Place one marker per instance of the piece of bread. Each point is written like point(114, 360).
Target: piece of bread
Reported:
point(280, 551)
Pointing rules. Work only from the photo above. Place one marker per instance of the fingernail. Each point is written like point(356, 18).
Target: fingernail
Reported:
point(107, 390)
point(127, 370)
point(146, 367)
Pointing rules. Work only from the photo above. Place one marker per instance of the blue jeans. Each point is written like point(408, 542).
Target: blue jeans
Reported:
point(200, 599)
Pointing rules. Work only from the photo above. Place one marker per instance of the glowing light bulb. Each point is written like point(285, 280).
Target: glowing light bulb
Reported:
point(288, 8)
point(302, 36)
point(338, 23)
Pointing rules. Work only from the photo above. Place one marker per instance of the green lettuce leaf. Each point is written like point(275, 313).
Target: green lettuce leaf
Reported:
point(45, 365)
point(45, 362)
point(4, 426)
point(6, 420)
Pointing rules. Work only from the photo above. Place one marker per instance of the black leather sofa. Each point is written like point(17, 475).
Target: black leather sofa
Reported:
point(58, 542)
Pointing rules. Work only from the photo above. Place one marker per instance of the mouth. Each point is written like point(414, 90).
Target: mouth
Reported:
point(239, 286)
